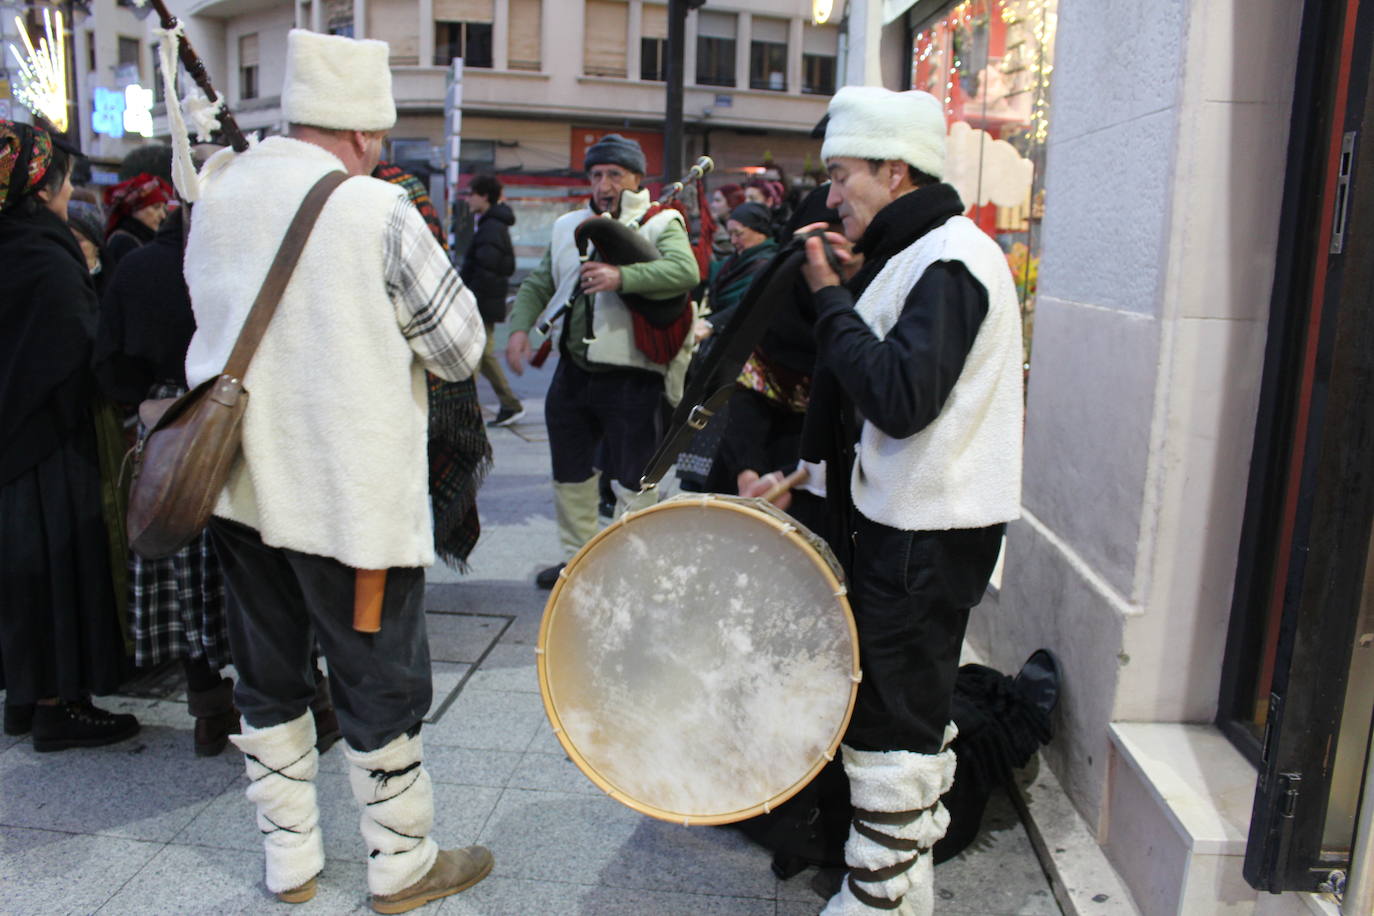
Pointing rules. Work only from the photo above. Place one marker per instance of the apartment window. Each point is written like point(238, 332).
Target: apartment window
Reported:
point(653, 43)
point(130, 55)
point(469, 40)
point(90, 52)
point(338, 17)
point(526, 31)
point(768, 55)
point(248, 66)
point(716, 48)
point(819, 50)
point(603, 48)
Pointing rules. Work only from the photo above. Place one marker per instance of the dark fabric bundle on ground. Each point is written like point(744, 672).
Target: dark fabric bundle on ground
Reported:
point(1002, 721)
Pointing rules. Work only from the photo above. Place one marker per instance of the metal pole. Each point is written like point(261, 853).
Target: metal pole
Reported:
point(672, 126)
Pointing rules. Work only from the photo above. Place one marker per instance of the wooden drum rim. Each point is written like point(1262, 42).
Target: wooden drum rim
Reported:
point(788, 530)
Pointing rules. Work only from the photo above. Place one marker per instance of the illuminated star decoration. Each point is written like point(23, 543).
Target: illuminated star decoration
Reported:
point(43, 71)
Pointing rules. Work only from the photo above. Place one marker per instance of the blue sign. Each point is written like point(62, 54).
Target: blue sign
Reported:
point(108, 117)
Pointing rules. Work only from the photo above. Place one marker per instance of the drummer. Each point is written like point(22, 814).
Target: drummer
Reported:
point(603, 402)
point(916, 412)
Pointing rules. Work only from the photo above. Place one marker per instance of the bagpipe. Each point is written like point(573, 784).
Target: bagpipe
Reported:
point(660, 325)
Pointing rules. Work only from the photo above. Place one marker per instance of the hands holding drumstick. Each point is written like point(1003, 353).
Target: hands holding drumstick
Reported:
point(775, 487)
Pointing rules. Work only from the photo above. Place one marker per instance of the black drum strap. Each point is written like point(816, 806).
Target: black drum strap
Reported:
point(712, 385)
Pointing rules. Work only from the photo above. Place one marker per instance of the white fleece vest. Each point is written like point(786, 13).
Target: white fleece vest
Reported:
point(964, 469)
point(334, 438)
point(612, 324)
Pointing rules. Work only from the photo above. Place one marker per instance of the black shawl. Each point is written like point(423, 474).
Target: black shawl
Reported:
point(47, 324)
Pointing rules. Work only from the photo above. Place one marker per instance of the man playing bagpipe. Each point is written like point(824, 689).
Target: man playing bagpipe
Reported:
point(624, 326)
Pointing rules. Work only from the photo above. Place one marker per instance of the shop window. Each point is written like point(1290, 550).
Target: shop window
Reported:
point(716, 48)
point(989, 64)
point(526, 31)
point(248, 66)
point(768, 55)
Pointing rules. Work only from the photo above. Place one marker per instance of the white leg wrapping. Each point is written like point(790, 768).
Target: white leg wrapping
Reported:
point(627, 500)
point(281, 763)
point(908, 787)
point(398, 811)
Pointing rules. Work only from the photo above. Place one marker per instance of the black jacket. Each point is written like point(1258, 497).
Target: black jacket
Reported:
point(47, 323)
point(898, 383)
point(489, 261)
point(146, 321)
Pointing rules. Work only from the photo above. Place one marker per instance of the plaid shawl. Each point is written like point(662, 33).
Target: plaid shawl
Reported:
point(459, 453)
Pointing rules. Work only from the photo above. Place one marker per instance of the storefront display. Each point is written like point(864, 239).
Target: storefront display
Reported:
point(989, 62)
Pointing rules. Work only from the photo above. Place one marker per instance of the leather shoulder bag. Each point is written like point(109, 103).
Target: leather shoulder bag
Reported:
point(183, 462)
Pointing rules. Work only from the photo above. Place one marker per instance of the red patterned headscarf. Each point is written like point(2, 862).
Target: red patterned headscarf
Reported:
point(132, 195)
point(25, 154)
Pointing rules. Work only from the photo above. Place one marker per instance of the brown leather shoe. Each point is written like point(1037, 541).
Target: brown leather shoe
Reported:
point(216, 717)
point(454, 870)
point(299, 894)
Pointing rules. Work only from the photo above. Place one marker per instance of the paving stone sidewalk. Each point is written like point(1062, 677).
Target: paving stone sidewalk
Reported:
point(146, 827)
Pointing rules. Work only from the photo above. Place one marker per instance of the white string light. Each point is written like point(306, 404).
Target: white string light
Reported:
point(43, 70)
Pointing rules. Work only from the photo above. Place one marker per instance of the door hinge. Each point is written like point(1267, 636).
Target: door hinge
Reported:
point(1344, 169)
point(1289, 785)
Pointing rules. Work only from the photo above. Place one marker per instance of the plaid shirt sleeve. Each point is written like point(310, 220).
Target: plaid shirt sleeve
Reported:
point(437, 313)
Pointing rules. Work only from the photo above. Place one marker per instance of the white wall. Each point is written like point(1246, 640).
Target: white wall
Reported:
point(1167, 145)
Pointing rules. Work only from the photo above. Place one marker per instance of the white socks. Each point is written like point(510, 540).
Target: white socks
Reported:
point(897, 819)
point(281, 762)
point(398, 810)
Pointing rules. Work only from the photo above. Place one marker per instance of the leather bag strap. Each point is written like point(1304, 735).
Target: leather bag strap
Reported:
point(279, 274)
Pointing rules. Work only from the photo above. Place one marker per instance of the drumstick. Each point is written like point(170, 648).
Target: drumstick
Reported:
point(782, 486)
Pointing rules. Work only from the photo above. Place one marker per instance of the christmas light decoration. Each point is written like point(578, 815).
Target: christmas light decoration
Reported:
point(43, 71)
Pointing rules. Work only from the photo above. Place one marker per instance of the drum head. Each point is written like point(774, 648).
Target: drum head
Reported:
point(698, 660)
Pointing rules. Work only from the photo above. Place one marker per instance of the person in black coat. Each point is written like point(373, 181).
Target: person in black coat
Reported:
point(60, 638)
point(487, 265)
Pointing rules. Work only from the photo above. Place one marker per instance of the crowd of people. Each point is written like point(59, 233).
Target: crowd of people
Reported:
point(891, 372)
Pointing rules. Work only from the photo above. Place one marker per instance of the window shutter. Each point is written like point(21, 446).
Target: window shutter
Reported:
point(464, 10)
point(654, 22)
point(771, 30)
point(604, 47)
point(823, 40)
point(526, 30)
point(248, 50)
point(716, 25)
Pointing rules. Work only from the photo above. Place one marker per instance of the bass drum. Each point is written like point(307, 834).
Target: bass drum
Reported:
point(698, 659)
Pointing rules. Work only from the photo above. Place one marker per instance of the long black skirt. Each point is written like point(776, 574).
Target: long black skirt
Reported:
point(59, 632)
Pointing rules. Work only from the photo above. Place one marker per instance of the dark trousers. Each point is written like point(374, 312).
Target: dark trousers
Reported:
point(911, 592)
point(280, 602)
point(611, 417)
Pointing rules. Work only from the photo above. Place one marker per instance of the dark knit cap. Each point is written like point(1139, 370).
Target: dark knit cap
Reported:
point(753, 216)
point(614, 149)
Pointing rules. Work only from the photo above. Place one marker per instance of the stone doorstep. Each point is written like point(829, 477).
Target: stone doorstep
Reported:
point(1204, 790)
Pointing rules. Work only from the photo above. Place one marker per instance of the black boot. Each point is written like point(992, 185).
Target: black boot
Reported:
point(78, 724)
point(18, 718)
point(216, 717)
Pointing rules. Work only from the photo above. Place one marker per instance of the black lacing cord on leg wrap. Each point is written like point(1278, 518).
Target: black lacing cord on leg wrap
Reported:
point(382, 777)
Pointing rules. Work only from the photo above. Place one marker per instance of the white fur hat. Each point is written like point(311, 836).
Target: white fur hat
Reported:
point(870, 122)
point(337, 82)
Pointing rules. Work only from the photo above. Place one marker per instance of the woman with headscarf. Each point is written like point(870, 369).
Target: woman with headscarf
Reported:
point(60, 639)
point(135, 208)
